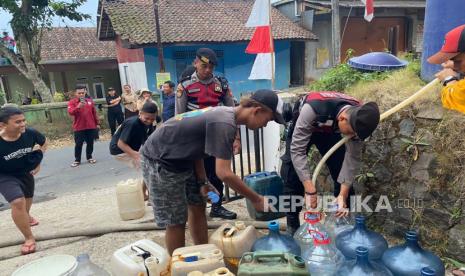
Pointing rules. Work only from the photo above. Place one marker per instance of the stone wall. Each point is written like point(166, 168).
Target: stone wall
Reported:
point(413, 160)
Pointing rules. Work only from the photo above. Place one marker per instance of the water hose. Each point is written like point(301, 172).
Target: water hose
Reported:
point(386, 114)
point(94, 232)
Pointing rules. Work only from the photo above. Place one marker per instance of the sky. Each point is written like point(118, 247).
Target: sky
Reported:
point(90, 7)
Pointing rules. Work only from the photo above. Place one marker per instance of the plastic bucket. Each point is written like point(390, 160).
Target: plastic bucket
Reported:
point(55, 265)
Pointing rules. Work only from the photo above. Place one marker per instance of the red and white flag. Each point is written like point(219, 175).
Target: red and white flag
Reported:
point(369, 10)
point(261, 42)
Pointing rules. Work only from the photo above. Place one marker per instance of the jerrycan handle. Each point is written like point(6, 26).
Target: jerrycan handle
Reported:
point(230, 232)
point(258, 174)
point(262, 255)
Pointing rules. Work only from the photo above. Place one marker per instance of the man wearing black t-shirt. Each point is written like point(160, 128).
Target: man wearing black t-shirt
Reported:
point(132, 134)
point(21, 151)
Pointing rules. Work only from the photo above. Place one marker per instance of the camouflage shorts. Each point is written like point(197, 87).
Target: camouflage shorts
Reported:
point(170, 192)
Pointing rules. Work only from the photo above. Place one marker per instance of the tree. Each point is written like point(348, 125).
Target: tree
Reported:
point(30, 19)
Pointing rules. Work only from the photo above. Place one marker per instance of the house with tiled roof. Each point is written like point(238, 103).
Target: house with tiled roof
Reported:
point(69, 56)
point(397, 26)
point(185, 26)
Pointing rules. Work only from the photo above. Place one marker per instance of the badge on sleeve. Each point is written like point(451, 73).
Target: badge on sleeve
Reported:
point(217, 88)
point(179, 91)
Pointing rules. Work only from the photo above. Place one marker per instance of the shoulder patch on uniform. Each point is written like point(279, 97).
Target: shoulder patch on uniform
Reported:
point(179, 91)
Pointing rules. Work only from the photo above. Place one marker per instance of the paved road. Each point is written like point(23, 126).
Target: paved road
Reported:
point(57, 177)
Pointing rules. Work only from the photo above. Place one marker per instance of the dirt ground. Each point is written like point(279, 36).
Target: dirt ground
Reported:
point(86, 212)
point(68, 140)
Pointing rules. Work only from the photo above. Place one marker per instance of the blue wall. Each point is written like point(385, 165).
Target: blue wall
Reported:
point(439, 20)
point(236, 65)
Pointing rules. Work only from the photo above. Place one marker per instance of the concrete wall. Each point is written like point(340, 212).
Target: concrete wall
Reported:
point(19, 87)
point(235, 65)
point(322, 29)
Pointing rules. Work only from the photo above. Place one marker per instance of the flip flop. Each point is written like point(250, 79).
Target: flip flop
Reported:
point(75, 164)
point(28, 248)
point(459, 272)
point(92, 161)
point(33, 221)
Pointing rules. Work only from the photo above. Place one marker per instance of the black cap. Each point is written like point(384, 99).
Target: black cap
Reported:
point(110, 88)
point(207, 55)
point(364, 119)
point(270, 99)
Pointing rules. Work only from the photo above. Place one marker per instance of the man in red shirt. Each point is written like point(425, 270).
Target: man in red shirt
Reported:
point(85, 124)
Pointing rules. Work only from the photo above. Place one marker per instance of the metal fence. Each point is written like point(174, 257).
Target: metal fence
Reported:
point(250, 159)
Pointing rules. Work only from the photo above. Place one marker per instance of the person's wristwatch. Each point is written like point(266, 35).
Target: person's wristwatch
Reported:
point(202, 183)
point(448, 79)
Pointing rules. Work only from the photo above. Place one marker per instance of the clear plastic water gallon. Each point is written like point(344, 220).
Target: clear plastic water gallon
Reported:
point(304, 235)
point(323, 259)
point(86, 267)
point(336, 225)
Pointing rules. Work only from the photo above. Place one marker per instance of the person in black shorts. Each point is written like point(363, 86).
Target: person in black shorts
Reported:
point(173, 167)
point(21, 151)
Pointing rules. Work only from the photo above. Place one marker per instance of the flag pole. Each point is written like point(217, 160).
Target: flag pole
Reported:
point(272, 49)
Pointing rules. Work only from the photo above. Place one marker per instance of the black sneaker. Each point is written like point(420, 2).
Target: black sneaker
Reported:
point(221, 212)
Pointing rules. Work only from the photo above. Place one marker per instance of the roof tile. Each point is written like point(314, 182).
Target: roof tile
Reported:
point(193, 21)
point(59, 44)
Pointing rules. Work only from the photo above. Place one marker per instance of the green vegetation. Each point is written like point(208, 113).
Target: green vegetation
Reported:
point(343, 76)
point(59, 97)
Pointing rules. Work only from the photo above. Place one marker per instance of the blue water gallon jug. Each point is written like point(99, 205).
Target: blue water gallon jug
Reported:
point(323, 259)
point(427, 271)
point(266, 184)
point(336, 225)
point(276, 242)
point(349, 240)
point(304, 235)
point(409, 258)
point(362, 266)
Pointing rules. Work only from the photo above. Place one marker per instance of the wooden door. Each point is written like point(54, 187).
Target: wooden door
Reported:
point(375, 36)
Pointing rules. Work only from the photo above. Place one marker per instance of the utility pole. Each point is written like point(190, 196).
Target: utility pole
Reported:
point(159, 44)
point(336, 32)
